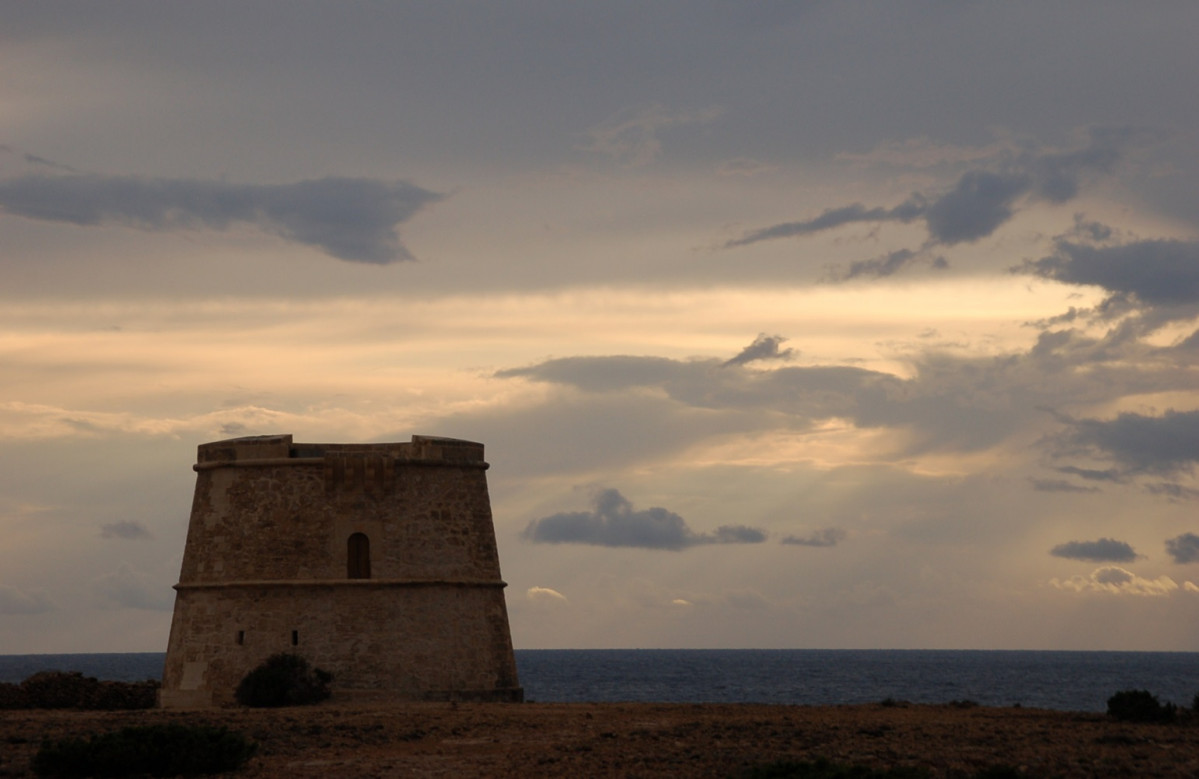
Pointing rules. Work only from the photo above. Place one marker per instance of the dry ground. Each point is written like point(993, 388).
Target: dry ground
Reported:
point(642, 740)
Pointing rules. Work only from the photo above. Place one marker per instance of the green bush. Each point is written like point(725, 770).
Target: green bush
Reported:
point(157, 750)
point(1139, 706)
point(283, 680)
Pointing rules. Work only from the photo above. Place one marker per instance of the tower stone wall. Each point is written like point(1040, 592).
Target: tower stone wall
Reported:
point(376, 562)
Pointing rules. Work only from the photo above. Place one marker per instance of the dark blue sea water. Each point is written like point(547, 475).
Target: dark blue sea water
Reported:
point(1067, 681)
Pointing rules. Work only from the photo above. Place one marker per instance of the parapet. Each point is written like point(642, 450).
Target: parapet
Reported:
point(282, 450)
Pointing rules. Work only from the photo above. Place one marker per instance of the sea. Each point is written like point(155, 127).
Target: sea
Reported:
point(1061, 680)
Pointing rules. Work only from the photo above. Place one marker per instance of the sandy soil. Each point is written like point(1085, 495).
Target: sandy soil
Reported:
point(641, 740)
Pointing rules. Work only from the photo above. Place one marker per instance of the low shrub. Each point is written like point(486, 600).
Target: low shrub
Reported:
point(157, 750)
point(59, 689)
point(12, 696)
point(1139, 706)
point(283, 680)
point(73, 690)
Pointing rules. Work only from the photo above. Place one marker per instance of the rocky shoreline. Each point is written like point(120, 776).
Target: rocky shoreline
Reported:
point(646, 740)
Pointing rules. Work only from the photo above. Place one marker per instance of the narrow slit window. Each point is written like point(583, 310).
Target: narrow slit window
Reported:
point(358, 557)
point(241, 637)
point(295, 638)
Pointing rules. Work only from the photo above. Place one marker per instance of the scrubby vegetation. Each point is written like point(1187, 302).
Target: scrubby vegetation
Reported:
point(73, 690)
point(157, 750)
point(824, 769)
point(1140, 706)
point(283, 680)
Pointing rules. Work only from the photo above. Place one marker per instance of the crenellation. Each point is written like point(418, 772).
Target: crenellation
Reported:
point(377, 562)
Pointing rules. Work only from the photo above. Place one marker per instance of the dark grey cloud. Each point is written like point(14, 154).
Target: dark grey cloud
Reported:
point(603, 374)
point(829, 536)
point(1184, 548)
point(1059, 485)
point(811, 392)
point(1155, 272)
point(353, 219)
point(1143, 444)
point(125, 530)
point(1172, 490)
point(733, 534)
point(1092, 474)
point(980, 202)
point(1105, 550)
point(764, 347)
point(889, 264)
point(234, 429)
point(1057, 176)
point(934, 406)
point(1190, 343)
point(833, 217)
point(614, 522)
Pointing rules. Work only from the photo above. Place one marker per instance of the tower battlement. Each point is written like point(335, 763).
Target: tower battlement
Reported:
point(376, 562)
point(265, 449)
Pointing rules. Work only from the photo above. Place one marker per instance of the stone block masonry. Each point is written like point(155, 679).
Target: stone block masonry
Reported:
point(376, 562)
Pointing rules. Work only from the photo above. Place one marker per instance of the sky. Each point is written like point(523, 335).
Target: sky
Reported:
point(784, 324)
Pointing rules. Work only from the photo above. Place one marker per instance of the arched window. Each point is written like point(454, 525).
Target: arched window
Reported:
point(358, 557)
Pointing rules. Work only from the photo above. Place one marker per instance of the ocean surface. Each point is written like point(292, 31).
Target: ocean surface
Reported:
point(1067, 681)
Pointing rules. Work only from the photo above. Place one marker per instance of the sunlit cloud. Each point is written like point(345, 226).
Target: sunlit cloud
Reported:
point(1113, 580)
point(544, 595)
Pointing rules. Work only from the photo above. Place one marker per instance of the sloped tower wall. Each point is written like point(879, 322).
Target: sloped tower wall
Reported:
point(376, 562)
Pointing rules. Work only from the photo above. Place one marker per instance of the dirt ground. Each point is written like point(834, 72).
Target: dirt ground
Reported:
point(646, 740)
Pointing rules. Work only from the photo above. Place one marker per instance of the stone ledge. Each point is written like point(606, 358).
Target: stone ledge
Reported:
point(277, 461)
point(368, 583)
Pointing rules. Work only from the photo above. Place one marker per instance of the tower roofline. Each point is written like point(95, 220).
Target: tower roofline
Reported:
point(274, 450)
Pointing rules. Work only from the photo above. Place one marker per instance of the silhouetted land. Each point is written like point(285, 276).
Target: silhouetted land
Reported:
point(631, 740)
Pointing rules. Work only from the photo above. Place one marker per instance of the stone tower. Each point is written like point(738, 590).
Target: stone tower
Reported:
point(376, 562)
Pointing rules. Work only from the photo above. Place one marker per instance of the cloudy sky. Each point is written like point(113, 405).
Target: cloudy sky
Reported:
point(785, 324)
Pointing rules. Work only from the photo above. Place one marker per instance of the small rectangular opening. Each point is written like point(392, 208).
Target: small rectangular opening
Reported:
point(241, 637)
point(295, 638)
